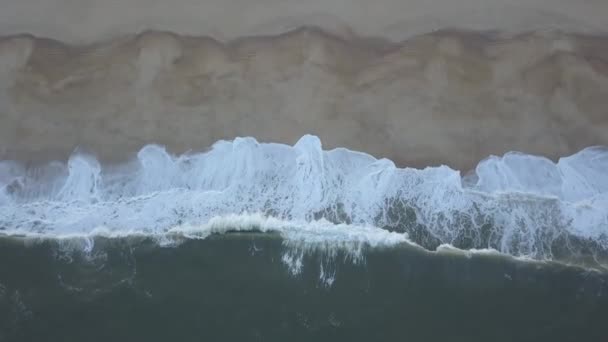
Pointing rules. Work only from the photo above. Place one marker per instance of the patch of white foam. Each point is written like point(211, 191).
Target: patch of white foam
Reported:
point(516, 204)
point(314, 235)
point(307, 233)
point(579, 183)
point(447, 249)
point(300, 238)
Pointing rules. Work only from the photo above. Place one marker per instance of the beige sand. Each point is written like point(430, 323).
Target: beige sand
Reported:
point(448, 97)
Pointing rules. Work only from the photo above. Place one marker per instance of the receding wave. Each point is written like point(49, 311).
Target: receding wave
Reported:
point(517, 204)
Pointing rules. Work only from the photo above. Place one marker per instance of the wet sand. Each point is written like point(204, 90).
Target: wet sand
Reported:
point(449, 97)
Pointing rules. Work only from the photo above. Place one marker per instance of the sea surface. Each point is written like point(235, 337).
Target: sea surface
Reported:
point(237, 287)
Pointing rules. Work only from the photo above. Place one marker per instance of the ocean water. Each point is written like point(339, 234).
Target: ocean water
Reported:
point(238, 287)
point(255, 241)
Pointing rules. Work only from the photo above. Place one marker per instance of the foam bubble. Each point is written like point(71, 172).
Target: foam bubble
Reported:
point(518, 204)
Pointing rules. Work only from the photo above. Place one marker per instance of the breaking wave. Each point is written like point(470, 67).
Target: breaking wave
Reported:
point(517, 204)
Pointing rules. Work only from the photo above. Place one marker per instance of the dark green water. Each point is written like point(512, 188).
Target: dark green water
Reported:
point(236, 288)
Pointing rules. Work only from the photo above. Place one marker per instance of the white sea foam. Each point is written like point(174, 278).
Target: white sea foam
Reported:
point(516, 204)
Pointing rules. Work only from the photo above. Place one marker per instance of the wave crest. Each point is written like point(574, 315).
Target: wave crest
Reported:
point(518, 204)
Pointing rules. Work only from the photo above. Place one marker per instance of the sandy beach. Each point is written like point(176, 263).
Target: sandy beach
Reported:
point(420, 82)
